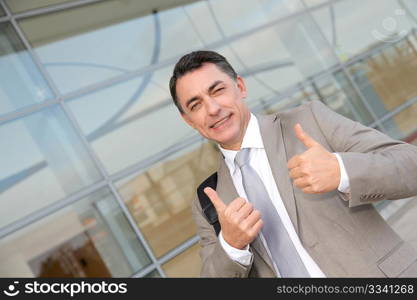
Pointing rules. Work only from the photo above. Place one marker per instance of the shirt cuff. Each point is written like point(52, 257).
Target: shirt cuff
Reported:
point(344, 186)
point(243, 257)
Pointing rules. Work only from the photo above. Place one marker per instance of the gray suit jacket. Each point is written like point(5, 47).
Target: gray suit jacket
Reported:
point(345, 236)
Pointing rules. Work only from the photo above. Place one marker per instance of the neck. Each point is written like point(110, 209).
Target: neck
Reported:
point(237, 145)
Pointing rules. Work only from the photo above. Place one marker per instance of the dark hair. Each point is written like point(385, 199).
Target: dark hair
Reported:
point(193, 61)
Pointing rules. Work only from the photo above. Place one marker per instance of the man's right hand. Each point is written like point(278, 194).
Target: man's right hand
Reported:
point(240, 223)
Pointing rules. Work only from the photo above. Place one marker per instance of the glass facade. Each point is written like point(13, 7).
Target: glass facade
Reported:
point(88, 238)
point(98, 168)
point(22, 82)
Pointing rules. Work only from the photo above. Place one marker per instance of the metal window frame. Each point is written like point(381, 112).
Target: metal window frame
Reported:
point(109, 180)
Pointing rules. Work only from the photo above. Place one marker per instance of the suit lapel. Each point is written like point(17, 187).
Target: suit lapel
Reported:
point(227, 192)
point(225, 187)
point(272, 137)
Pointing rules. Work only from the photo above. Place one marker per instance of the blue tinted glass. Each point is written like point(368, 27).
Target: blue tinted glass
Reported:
point(42, 160)
point(21, 84)
point(88, 238)
point(130, 122)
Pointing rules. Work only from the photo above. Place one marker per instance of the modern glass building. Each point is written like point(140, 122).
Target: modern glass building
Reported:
point(97, 168)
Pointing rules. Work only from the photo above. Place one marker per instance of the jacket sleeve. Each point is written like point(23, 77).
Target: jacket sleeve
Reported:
point(378, 166)
point(216, 262)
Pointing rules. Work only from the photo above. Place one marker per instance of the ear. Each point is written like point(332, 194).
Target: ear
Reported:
point(241, 85)
point(187, 119)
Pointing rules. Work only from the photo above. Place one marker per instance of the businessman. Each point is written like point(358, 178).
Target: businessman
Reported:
point(294, 190)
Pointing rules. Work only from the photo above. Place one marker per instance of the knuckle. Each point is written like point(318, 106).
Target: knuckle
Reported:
point(227, 213)
point(257, 214)
point(261, 223)
point(235, 219)
point(243, 227)
point(249, 206)
point(305, 170)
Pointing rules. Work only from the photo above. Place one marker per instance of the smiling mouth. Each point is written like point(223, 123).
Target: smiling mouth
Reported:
point(220, 122)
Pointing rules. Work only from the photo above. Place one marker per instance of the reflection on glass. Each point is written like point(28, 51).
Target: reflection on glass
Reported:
point(153, 274)
point(21, 82)
point(351, 33)
point(2, 12)
point(42, 160)
point(90, 238)
point(130, 122)
point(388, 78)
point(160, 198)
point(314, 2)
point(282, 57)
point(93, 56)
point(185, 264)
point(338, 93)
point(360, 110)
point(403, 125)
point(23, 5)
point(334, 91)
point(249, 14)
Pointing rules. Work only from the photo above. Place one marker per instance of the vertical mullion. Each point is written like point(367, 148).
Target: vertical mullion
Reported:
point(5, 8)
point(345, 71)
point(35, 58)
point(136, 228)
point(109, 182)
point(85, 143)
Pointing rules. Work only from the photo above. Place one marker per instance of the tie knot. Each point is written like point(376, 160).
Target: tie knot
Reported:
point(242, 157)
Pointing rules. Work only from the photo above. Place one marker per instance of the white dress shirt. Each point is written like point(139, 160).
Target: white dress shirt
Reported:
point(259, 161)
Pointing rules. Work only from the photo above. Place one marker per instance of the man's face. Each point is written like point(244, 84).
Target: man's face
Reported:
point(212, 103)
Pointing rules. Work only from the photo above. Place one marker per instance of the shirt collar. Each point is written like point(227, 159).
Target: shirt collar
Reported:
point(251, 139)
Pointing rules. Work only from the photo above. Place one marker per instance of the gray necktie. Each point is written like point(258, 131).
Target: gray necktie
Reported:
point(279, 242)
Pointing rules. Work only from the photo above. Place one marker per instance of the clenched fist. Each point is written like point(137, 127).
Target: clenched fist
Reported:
point(316, 170)
point(239, 221)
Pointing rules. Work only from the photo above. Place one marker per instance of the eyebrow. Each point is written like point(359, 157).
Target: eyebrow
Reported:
point(209, 90)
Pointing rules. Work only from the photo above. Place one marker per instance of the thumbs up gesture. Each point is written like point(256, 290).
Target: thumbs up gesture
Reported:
point(239, 221)
point(316, 170)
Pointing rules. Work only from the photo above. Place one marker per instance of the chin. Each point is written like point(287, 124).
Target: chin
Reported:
point(230, 140)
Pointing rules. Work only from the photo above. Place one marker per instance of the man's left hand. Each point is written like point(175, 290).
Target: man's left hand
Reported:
point(316, 170)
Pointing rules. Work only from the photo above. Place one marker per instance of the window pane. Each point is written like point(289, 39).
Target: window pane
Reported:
point(42, 160)
point(21, 82)
point(335, 91)
point(339, 94)
point(403, 125)
point(160, 198)
point(249, 14)
point(90, 238)
point(388, 77)
point(314, 2)
point(286, 52)
point(349, 28)
point(131, 121)
point(186, 264)
point(22, 5)
point(153, 274)
point(94, 56)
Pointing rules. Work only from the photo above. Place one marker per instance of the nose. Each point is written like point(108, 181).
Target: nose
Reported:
point(213, 108)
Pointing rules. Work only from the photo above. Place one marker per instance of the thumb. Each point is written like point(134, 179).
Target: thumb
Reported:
point(304, 137)
point(215, 199)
